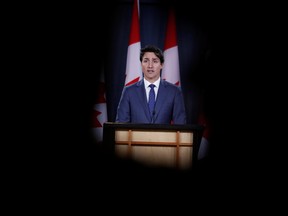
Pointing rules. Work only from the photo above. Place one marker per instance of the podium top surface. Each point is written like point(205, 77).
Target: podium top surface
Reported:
point(186, 127)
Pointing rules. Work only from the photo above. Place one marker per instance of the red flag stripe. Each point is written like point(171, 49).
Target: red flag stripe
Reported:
point(171, 68)
point(133, 64)
point(171, 38)
point(135, 28)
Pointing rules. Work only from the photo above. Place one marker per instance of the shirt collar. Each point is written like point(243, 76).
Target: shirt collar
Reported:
point(156, 83)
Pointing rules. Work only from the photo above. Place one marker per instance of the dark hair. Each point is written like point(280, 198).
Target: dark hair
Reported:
point(151, 48)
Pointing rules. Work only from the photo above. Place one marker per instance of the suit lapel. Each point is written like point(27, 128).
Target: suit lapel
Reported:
point(160, 98)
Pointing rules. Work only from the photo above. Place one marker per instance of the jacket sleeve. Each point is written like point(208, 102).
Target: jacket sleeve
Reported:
point(123, 109)
point(179, 112)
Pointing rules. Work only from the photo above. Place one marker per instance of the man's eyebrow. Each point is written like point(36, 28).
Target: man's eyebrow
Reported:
point(152, 58)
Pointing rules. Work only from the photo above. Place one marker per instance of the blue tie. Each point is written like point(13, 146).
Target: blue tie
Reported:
point(151, 100)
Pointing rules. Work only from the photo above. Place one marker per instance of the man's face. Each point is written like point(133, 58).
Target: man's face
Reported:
point(151, 66)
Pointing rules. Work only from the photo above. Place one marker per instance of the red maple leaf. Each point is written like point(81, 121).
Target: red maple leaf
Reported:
point(96, 122)
point(133, 81)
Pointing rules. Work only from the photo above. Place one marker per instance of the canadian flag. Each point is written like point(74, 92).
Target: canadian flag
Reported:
point(100, 111)
point(133, 64)
point(171, 73)
point(171, 69)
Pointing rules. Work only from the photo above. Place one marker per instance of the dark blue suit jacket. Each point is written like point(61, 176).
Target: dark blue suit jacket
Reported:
point(169, 106)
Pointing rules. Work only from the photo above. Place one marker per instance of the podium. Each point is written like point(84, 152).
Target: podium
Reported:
point(154, 145)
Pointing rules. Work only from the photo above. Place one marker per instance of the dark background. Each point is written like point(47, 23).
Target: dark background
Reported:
point(222, 51)
point(214, 54)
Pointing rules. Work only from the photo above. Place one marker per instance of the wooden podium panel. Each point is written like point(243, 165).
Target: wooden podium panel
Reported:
point(155, 148)
point(170, 146)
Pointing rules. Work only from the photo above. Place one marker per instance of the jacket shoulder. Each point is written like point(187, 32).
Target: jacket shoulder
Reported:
point(169, 84)
point(133, 86)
